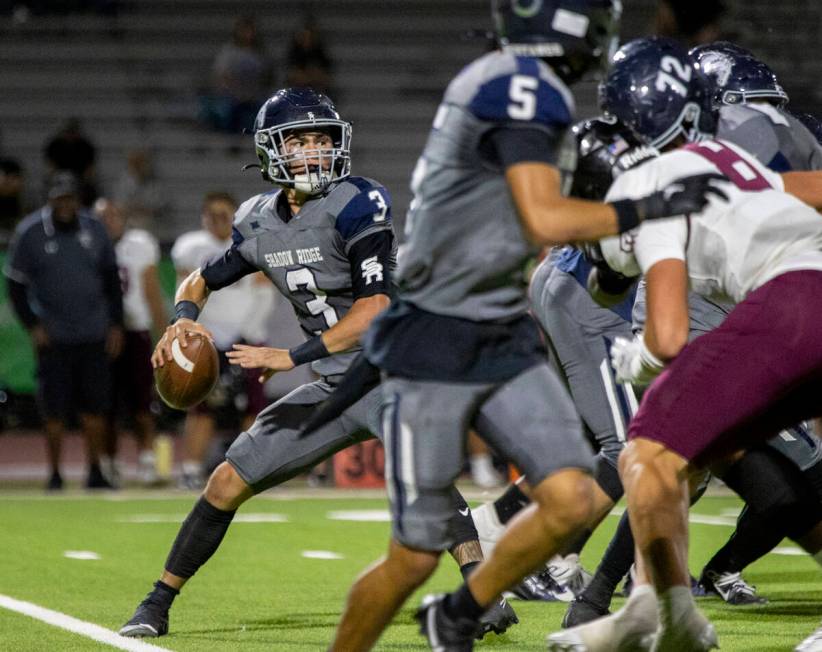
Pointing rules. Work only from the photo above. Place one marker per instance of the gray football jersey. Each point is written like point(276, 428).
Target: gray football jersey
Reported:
point(466, 252)
point(306, 258)
point(777, 139)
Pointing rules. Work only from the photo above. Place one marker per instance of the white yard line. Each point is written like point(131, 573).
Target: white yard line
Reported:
point(89, 630)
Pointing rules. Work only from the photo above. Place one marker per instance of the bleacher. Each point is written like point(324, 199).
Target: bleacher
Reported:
point(133, 80)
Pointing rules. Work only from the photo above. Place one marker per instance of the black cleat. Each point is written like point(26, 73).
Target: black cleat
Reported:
point(499, 617)
point(96, 479)
point(582, 611)
point(442, 633)
point(149, 621)
point(55, 482)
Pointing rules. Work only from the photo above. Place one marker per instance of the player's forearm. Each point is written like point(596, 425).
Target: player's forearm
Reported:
point(668, 323)
point(348, 332)
point(806, 186)
point(547, 217)
point(193, 288)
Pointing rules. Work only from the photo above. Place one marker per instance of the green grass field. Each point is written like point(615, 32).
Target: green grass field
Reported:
point(260, 593)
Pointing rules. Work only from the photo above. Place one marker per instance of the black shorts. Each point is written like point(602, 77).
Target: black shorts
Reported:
point(132, 375)
point(73, 378)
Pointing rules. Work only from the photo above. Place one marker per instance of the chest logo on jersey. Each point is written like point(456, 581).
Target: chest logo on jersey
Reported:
point(293, 257)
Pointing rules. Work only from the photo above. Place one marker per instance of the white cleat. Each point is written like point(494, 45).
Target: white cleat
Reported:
point(569, 576)
point(811, 644)
point(631, 629)
point(693, 633)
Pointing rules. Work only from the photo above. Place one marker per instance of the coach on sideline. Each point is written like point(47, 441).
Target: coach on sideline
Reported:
point(64, 286)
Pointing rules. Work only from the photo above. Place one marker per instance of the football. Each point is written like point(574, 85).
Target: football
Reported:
point(191, 374)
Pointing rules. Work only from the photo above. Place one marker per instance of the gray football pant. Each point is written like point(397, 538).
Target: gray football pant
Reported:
point(581, 333)
point(271, 452)
point(529, 419)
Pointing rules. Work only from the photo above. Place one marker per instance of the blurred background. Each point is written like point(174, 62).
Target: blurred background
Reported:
point(146, 102)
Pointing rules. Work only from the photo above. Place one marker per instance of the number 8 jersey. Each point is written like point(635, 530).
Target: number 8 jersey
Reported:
point(731, 248)
point(340, 247)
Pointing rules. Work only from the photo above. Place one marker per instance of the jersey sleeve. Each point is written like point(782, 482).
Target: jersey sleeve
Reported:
point(232, 265)
point(372, 259)
point(367, 212)
point(660, 240)
point(526, 96)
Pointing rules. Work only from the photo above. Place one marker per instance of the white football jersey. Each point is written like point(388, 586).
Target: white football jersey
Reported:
point(136, 250)
point(732, 247)
point(227, 310)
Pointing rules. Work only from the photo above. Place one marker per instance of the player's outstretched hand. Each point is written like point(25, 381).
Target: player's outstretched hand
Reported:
point(683, 196)
point(261, 357)
point(179, 330)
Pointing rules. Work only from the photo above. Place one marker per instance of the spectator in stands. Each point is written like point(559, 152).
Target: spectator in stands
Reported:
point(242, 75)
point(691, 23)
point(64, 286)
point(307, 60)
point(137, 254)
point(12, 202)
point(233, 314)
point(140, 193)
point(71, 150)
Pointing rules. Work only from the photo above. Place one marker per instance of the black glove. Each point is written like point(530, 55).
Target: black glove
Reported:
point(681, 197)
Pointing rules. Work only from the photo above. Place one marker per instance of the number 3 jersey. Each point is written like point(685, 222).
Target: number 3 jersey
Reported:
point(732, 247)
point(340, 247)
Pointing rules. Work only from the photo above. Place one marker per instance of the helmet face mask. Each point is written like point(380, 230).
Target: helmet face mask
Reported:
point(573, 36)
point(657, 91)
point(736, 76)
point(311, 171)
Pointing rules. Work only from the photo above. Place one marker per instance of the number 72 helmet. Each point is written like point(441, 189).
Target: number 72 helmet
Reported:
point(292, 110)
point(655, 90)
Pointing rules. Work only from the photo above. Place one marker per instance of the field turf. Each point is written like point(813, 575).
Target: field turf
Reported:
point(260, 593)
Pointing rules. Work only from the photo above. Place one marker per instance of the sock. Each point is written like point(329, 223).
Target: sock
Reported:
point(756, 534)
point(467, 569)
point(674, 604)
point(198, 538)
point(461, 525)
point(509, 503)
point(164, 594)
point(576, 546)
point(615, 564)
point(461, 604)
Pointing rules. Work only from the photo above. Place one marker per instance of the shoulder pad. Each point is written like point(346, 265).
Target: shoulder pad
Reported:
point(368, 205)
point(247, 216)
point(618, 252)
point(507, 88)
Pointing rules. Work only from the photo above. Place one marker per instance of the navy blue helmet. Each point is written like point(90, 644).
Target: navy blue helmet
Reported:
point(655, 90)
point(572, 35)
point(292, 110)
point(813, 124)
point(736, 75)
point(605, 149)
